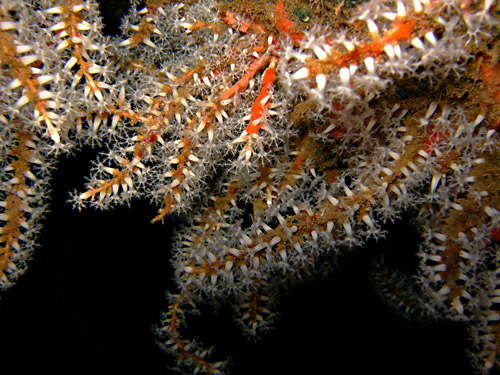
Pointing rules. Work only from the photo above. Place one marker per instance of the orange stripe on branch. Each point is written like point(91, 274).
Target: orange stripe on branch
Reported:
point(262, 101)
point(286, 26)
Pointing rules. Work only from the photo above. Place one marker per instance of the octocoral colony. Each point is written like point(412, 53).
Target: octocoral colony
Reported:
point(285, 135)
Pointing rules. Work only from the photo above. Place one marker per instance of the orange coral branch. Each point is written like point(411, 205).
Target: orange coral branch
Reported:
point(286, 26)
point(262, 101)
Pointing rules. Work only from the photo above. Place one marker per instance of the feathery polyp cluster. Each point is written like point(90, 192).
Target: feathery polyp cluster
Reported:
point(280, 147)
